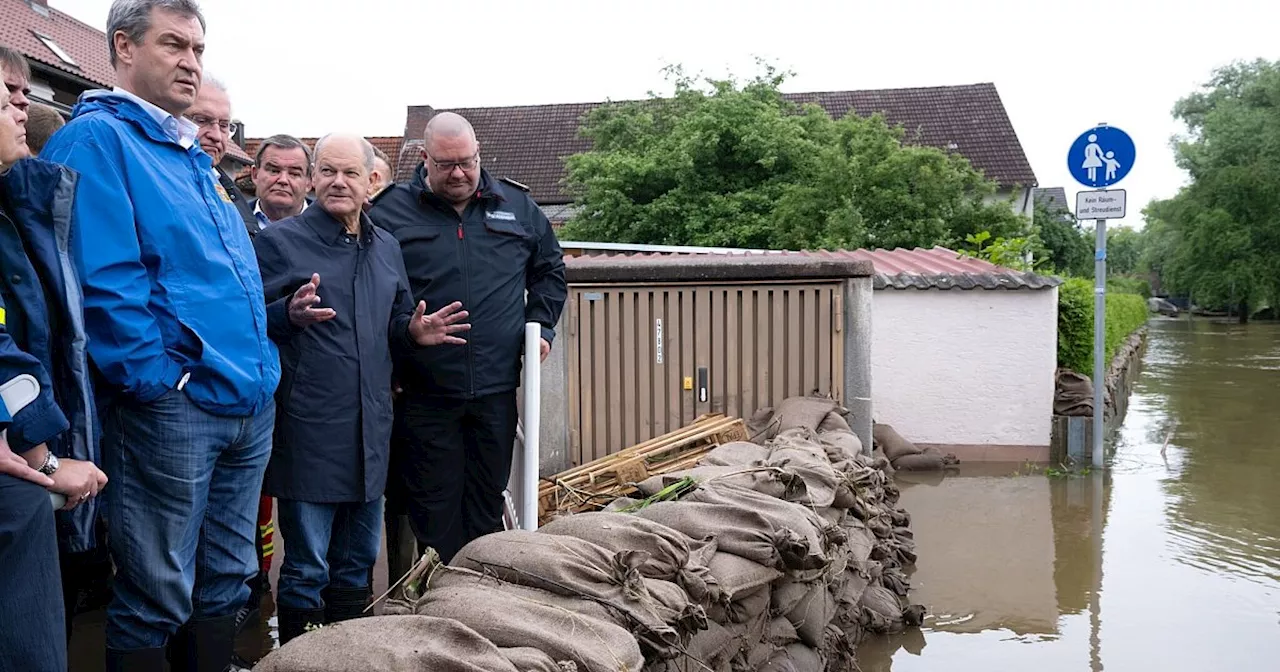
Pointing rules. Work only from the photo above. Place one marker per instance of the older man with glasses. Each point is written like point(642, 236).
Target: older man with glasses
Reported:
point(468, 237)
point(211, 113)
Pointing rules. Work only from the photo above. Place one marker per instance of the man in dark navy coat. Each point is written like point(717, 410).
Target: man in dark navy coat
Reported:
point(466, 236)
point(328, 465)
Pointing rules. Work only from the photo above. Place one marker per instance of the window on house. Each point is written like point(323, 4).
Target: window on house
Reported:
point(56, 49)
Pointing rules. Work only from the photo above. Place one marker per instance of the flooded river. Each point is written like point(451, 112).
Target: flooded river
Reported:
point(1183, 571)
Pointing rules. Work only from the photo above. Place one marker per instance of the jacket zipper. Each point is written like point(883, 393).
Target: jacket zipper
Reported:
point(466, 297)
point(355, 321)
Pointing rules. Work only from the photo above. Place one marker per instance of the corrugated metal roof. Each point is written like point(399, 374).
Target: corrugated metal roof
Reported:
point(936, 268)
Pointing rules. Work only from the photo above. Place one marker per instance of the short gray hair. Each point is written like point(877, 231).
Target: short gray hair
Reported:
point(209, 80)
point(286, 142)
point(364, 145)
point(134, 18)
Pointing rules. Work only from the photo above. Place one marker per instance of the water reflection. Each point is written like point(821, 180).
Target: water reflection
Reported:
point(1170, 561)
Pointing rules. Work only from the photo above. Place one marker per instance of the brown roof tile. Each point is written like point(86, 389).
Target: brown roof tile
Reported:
point(936, 268)
point(86, 45)
point(529, 143)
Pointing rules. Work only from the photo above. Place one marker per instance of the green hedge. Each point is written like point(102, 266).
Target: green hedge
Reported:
point(1125, 314)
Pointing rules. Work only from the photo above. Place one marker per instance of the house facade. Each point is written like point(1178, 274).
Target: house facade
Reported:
point(530, 143)
point(68, 57)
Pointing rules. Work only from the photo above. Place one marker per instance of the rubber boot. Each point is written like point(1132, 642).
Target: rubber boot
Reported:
point(203, 645)
point(293, 622)
point(136, 660)
point(346, 603)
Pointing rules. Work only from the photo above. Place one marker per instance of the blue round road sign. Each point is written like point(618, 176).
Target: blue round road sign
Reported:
point(1101, 156)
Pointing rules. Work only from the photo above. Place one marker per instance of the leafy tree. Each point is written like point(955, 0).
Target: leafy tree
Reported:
point(1124, 248)
point(1219, 238)
point(1068, 248)
point(728, 164)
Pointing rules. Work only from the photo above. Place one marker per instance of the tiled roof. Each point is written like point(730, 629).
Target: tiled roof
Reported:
point(87, 46)
point(388, 144)
point(234, 151)
point(1052, 198)
point(936, 268)
point(529, 143)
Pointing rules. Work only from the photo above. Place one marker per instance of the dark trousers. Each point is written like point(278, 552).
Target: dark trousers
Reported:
point(32, 629)
point(453, 462)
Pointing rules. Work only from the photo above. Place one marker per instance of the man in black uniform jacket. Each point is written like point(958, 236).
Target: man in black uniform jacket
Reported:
point(467, 237)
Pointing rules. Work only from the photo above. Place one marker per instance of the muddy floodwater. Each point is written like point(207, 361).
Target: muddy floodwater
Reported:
point(1183, 571)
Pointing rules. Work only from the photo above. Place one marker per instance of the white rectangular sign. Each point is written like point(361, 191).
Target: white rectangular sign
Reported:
point(1100, 204)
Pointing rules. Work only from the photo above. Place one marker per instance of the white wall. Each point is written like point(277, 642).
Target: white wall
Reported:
point(965, 367)
point(1023, 203)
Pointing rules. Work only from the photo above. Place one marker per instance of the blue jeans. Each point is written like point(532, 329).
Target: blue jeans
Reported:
point(33, 634)
point(326, 545)
point(182, 505)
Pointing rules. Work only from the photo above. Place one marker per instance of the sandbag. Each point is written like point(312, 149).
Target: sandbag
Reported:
point(1073, 394)
point(818, 477)
point(892, 443)
point(841, 444)
point(737, 575)
point(839, 651)
point(930, 459)
point(815, 532)
point(786, 594)
point(781, 632)
point(743, 608)
point(527, 659)
point(881, 611)
point(735, 454)
point(713, 648)
point(670, 551)
point(806, 412)
point(812, 613)
point(834, 422)
point(736, 530)
point(795, 658)
point(573, 567)
point(768, 481)
point(510, 620)
point(751, 646)
point(392, 643)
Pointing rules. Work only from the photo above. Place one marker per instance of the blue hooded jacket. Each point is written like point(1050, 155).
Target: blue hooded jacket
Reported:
point(171, 284)
point(43, 334)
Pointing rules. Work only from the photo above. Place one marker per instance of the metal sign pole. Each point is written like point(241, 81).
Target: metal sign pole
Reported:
point(1099, 340)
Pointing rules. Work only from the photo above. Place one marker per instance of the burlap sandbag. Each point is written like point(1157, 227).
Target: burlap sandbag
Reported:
point(812, 613)
point(752, 646)
point(527, 659)
point(735, 454)
point(816, 533)
point(881, 610)
point(576, 568)
point(561, 629)
point(1073, 394)
point(736, 575)
point(806, 412)
point(931, 459)
point(891, 442)
point(819, 478)
point(859, 540)
point(670, 551)
point(839, 651)
point(765, 480)
point(834, 422)
point(795, 658)
point(841, 445)
point(711, 650)
point(391, 643)
point(739, 531)
point(745, 606)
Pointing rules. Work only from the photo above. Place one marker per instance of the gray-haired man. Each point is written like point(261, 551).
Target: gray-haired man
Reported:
point(281, 178)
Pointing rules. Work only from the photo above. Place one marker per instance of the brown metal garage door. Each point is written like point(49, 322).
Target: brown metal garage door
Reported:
point(645, 360)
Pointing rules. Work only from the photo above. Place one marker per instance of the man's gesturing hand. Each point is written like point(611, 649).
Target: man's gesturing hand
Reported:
point(301, 314)
point(438, 327)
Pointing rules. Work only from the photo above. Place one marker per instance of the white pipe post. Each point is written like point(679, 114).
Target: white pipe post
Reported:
point(532, 422)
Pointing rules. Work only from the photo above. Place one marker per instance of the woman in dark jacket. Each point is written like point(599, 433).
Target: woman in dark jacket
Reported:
point(48, 414)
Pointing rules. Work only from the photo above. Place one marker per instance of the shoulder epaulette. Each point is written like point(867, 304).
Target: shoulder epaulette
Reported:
point(515, 184)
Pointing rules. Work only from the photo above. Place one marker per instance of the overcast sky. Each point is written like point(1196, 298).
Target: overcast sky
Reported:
point(308, 67)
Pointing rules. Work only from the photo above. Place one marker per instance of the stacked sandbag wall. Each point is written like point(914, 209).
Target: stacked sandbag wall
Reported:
point(781, 553)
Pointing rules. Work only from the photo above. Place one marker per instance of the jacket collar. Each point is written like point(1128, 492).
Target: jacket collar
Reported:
point(330, 230)
point(126, 107)
point(486, 190)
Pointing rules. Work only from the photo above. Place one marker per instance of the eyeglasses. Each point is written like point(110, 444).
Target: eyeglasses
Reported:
point(226, 125)
point(448, 166)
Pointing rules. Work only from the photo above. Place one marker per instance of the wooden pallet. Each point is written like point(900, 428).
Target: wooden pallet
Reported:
point(592, 486)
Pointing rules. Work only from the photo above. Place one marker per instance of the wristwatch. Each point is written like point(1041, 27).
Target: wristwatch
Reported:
point(50, 464)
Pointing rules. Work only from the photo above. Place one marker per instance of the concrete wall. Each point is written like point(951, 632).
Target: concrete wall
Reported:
point(966, 367)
